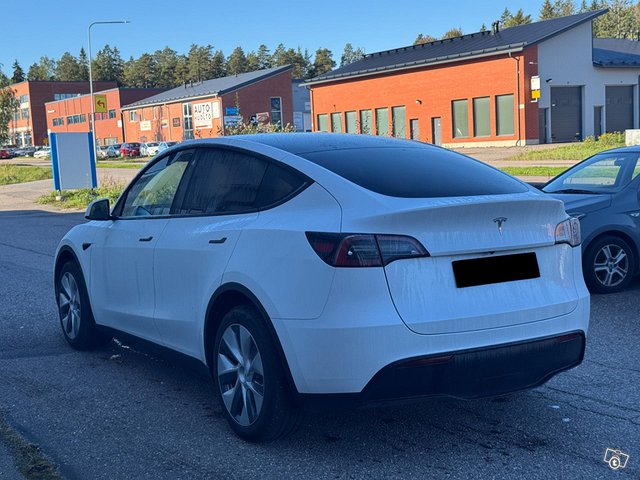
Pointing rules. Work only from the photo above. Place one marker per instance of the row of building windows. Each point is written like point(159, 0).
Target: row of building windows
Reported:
point(57, 122)
point(106, 115)
point(73, 119)
point(63, 96)
point(481, 108)
point(24, 99)
point(362, 122)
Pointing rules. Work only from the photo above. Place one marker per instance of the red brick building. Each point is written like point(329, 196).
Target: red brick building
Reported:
point(73, 114)
point(29, 123)
point(202, 110)
point(501, 87)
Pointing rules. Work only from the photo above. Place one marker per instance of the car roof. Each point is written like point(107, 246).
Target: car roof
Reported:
point(298, 143)
point(631, 149)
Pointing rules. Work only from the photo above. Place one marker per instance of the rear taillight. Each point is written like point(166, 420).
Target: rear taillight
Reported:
point(364, 250)
point(569, 232)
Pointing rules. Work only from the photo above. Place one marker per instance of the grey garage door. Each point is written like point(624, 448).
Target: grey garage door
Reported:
point(619, 108)
point(566, 114)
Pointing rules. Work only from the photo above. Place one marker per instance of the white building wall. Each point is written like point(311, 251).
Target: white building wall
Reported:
point(566, 60)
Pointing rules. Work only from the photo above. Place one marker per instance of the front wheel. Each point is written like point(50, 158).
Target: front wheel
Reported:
point(76, 318)
point(250, 379)
point(609, 264)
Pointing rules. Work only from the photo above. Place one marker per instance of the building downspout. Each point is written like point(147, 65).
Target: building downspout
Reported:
point(517, 59)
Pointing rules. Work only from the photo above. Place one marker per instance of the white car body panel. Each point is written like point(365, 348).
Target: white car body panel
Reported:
point(338, 327)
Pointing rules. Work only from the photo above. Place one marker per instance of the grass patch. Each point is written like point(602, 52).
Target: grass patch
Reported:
point(79, 199)
point(28, 458)
point(120, 165)
point(533, 171)
point(20, 174)
point(575, 151)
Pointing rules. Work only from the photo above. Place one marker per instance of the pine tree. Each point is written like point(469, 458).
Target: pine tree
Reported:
point(236, 62)
point(453, 33)
point(518, 19)
point(166, 65)
point(350, 55)
point(83, 66)
point(323, 62)
point(547, 11)
point(67, 68)
point(18, 74)
point(424, 39)
point(264, 57)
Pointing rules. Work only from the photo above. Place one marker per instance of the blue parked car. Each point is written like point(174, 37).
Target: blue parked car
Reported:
point(603, 191)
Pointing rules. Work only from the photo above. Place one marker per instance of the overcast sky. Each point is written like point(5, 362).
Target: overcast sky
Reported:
point(32, 28)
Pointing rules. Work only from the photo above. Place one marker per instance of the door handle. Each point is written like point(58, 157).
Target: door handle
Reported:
point(219, 240)
point(145, 239)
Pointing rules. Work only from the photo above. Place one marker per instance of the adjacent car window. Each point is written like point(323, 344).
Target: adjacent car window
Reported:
point(153, 193)
point(230, 182)
point(601, 173)
point(415, 172)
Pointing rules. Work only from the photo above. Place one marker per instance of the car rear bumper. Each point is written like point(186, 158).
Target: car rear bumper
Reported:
point(354, 341)
point(467, 374)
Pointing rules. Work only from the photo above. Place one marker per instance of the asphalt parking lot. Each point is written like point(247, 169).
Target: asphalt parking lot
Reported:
point(121, 412)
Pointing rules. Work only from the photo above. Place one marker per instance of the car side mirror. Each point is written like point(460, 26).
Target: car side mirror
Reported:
point(98, 210)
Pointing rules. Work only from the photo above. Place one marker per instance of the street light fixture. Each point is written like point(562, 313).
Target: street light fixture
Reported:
point(93, 113)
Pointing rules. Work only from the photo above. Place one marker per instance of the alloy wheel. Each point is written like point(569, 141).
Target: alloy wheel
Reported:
point(611, 265)
point(240, 374)
point(69, 305)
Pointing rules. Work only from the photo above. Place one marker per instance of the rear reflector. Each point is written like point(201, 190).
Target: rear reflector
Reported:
point(364, 250)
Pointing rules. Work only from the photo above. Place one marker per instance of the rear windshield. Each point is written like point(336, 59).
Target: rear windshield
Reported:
point(415, 172)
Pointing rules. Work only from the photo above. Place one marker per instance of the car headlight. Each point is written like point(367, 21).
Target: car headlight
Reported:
point(569, 232)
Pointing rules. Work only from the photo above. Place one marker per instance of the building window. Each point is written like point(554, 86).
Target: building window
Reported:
point(69, 120)
point(382, 121)
point(133, 116)
point(365, 122)
point(57, 122)
point(62, 96)
point(350, 122)
point(16, 115)
point(24, 99)
point(323, 122)
point(83, 118)
point(276, 110)
point(414, 126)
point(482, 117)
point(187, 122)
point(504, 115)
point(112, 114)
point(399, 122)
point(336, 122)
point(24, 112)
point(460, 111)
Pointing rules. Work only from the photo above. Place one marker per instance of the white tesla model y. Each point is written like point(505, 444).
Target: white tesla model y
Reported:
point(320, 268)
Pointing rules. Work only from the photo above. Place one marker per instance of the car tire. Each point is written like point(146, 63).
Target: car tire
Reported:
point(76, 318)
point(250, 380)
point(608, 264)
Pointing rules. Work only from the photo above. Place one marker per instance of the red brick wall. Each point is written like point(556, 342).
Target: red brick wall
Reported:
point(105, 127)
point(252, 99)
point(436, 87)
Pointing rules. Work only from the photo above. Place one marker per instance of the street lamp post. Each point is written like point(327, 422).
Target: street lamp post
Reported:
point(93, 112)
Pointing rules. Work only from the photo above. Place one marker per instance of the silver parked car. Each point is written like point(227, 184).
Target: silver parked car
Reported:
point(603, 191)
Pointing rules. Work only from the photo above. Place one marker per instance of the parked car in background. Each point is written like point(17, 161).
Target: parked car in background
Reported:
point(162, 146)
point(5, 154)
point(102, 152)
point(603, 192)
point(116, 148)
point(44, 152)
point(24, 152)
point(130, 149)
point(307, 267)
point(149, 149)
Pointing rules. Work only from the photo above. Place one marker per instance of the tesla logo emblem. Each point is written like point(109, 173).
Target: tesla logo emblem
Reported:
point(500, 221)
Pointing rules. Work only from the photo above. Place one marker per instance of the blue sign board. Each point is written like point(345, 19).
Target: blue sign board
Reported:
point(231, 110)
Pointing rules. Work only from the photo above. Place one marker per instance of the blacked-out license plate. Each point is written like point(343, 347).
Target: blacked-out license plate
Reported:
point(498, 269)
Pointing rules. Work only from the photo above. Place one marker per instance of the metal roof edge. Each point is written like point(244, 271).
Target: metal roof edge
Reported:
point(425, 63)
point(216, 93)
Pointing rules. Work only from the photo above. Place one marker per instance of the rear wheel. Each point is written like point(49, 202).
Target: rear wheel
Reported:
point(250, 380)
point(76, 318)
point(609, 265)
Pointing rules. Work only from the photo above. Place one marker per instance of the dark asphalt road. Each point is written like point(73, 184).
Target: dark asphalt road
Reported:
point(118, 413)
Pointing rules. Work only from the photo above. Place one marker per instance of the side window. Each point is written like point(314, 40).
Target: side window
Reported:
point(154, 192)
point(278, 184)
point(223, 182)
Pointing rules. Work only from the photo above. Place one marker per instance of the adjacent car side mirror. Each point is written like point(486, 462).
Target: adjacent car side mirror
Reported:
point(98, 210)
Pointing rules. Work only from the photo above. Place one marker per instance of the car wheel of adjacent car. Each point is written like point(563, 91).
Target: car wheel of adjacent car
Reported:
point(250, 379)
point(609, 264)
point(76, 318)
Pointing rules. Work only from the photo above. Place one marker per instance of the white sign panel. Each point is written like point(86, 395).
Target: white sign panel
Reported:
point(202, 115)
point(145, 125)
point(72, 160)
point(216, 110)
